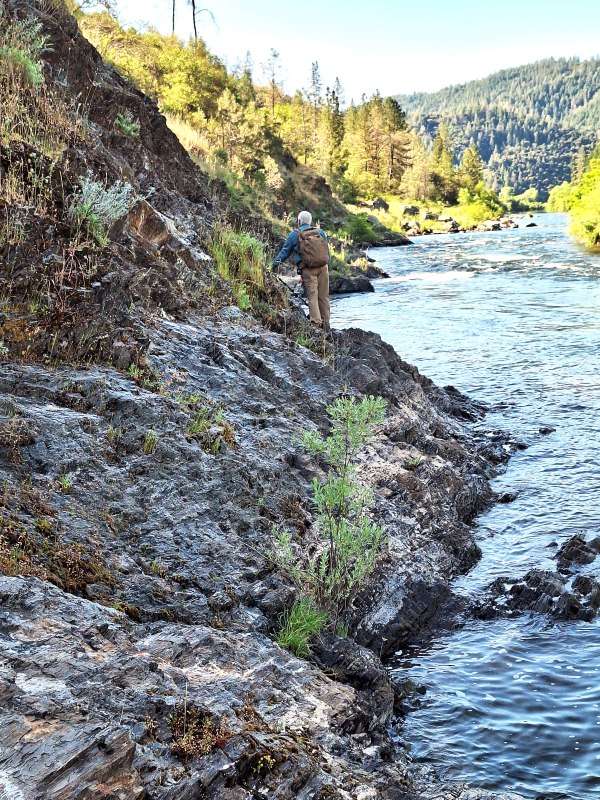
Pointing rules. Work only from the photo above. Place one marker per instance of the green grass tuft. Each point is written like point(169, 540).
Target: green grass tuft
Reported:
point(301, 623)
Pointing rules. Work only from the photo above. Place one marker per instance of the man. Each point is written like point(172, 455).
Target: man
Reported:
point(307, 247)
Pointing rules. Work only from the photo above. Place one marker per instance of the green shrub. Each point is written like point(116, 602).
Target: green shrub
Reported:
point(359, 230)
point(242, 298)
point(585, 218)
point(477, 205)
point(300, 624)
point(349, 542)
point(95, 207)
point(128, 126)
point(23, 43)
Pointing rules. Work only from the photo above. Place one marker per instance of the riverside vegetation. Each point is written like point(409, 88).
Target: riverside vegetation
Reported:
point(581, 198)
point(153, 392)
point(350, 542)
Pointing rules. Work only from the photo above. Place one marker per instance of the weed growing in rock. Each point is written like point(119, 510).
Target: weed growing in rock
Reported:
point(151, 728)
point(158, 569)
point(150, 442)
point(32, 113)
point(95, 208)
point(195, 733)
point(413, 463)
point(44, 525)
point(42, 553)
point(332, 572)
point(22, 45)
point(114, 435)
point(208, 425)
point(15, 433)
point(127, 124)
point(303, 621)
point(303, 340)
point(241, 260)
point(65, 483)
point(147, 377)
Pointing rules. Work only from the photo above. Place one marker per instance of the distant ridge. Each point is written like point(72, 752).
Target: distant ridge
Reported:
point(529, 122)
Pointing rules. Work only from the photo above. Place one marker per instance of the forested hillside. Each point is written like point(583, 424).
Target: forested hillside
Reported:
point(276, 151)
point(528, 122)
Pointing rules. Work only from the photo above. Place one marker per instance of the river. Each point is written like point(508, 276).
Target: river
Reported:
point(511, 318)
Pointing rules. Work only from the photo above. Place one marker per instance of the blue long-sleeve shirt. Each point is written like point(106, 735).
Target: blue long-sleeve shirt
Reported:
point(291, 247)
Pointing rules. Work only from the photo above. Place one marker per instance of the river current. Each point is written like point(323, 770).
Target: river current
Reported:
point(511, 318)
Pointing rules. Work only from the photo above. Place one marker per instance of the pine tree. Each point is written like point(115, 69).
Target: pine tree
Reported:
point(470, 172)
point(330, 136)
point(443, 175)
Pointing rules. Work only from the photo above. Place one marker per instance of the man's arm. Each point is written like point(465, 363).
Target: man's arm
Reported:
point(286, 250)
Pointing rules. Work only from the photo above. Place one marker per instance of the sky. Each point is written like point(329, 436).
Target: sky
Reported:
point(394, 47)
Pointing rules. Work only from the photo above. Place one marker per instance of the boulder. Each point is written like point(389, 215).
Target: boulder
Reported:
point(490, 225)
point(577, 550)
point(380, 204)
point(349, 284)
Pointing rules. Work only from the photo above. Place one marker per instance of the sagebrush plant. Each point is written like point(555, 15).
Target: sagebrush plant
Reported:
point(95, 207)
point(22, 44)
point(349, 542)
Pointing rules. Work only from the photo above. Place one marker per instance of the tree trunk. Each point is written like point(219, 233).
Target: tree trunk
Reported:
point(173, 28)
point(194, 18)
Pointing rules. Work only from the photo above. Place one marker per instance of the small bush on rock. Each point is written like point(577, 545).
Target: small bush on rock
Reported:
point(128, 126)
point(195, 733)
point(330, 574)
point(359, 230)
point(208, 425)
point(21, 47)
point(150, 443)
point(16, 61)
point(95, 208)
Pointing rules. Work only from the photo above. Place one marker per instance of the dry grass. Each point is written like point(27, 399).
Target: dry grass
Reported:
point(196, 733)
point(41, 553)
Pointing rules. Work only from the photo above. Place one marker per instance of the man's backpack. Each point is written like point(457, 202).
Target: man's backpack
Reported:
point(313, 247)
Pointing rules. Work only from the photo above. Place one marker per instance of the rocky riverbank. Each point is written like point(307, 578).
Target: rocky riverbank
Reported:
point(148, 446)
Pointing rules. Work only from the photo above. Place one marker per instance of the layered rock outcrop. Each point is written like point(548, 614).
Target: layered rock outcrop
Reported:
point(148, 446)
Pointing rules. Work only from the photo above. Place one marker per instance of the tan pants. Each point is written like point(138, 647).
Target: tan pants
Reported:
point(316, 283)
